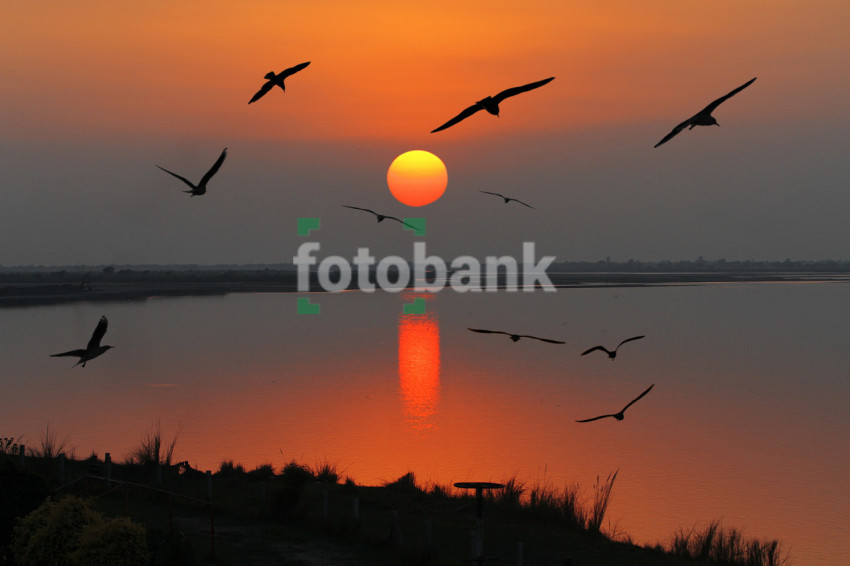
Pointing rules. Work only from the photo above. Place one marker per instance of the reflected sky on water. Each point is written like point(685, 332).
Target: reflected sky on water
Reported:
point(747, 421)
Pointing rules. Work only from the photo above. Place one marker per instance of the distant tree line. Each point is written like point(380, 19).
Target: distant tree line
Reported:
point(701, 265)
point(84, 276)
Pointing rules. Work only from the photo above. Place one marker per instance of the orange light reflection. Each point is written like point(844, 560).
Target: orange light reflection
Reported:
point(419, 368)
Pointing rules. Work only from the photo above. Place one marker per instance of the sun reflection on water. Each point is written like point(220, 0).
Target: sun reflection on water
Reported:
point(419, 368)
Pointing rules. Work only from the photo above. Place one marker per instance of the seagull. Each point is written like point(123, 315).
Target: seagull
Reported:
point(611, 354)
point(201, 187)
point(491, 103)
point(274, 79)
point(381, 217)
point(619, 416)
point(704, 117)
point(93, 349)
point(515, 337)
point(507, 199)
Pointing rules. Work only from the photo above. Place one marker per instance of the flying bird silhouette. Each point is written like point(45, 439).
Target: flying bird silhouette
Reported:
point(276, 79)
point(611, 354)
point(619, 416)
point(491, 103)
point(201, 187)
point(93, 349)
point(507, 199)
point(514, 337)
point(704, 117)
point(381, 217)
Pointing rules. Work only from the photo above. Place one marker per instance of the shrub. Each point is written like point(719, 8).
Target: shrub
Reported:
point(296, 474)
point(69, 532)
point(263, 472)
point(407, 482)
point(293, 478)
point(48, 535)
point(326, 473)
point(230, 469)
point(9, 446)
point(111, 543)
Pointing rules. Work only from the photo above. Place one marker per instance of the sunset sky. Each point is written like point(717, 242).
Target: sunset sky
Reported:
point(94, 95)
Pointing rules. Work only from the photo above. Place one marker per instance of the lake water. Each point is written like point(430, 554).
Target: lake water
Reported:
point(747, 421)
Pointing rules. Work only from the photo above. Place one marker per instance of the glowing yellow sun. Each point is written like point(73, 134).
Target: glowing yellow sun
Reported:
point(417, 178)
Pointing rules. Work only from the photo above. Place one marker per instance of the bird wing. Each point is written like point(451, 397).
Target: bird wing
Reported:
point(263, 90)
point(490, 193)
point(676, 130)
point(481, 330)
point(542, 339)
point(603, 348)
point(519, 201)
point(205, 179)
point(710, 108)
point(520, 89)
point(292, 70)
point(594, 418)
point(77, 353)
point(402, 221)
point(635, 400)
point(364, 209)
point(98, 333)
point(184, 179)
point(462, 116)
point(628, 340)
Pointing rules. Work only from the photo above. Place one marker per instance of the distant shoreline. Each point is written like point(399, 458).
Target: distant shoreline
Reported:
point(23, 292)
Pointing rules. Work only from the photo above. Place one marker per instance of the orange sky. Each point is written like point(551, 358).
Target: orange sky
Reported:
point(388, 70)
point(93, 95)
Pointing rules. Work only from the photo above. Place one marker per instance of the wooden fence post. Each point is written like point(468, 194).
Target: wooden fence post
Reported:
point(61, 468)
point(107, 460)
point(21, 451)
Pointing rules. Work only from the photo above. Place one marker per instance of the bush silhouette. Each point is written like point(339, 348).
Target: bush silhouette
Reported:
point(69, 532)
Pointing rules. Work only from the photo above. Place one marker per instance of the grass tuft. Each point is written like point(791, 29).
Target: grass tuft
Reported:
point(49, 447)
point(327, 473)
point(601, 497)
point(151, 450)
point(726, 546)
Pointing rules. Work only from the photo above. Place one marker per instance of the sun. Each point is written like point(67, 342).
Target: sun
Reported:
point(417, 178)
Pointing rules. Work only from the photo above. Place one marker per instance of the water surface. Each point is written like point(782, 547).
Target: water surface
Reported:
point(747, 421)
